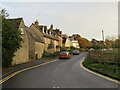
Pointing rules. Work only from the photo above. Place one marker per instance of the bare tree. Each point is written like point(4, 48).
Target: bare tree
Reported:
point(3, 13)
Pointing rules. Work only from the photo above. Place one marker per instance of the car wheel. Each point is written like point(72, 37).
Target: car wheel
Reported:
point(68, 57)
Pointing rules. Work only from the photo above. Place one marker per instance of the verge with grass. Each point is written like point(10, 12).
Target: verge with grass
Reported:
point(99, 62)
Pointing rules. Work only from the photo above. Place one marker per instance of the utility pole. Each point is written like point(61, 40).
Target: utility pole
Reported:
point(103, 35)
point(103, 38)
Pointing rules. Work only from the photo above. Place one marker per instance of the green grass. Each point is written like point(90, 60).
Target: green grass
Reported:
point(114, 51)
point(109, 69)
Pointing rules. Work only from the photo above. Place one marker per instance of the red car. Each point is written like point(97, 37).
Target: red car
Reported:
point(64, 54)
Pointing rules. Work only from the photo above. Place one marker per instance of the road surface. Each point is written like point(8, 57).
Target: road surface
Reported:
point(65, 73)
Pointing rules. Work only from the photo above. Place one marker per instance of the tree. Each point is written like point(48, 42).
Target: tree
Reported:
point(112, 38)
point(83, 42)
point(108, 43)
point(76, 36)
point(117, 43)
point(11, 41)
point(3, 13)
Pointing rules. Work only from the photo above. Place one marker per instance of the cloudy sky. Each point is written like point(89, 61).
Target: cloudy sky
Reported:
point(85, 18)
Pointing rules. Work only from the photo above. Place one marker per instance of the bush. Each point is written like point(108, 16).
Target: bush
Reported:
point(103, 57)
point(50, 55)
point(11, 41)
point(106, 68)
point(83, 49)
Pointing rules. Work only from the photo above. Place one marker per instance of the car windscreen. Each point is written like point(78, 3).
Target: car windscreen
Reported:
point(62, 52)
point(75, 51)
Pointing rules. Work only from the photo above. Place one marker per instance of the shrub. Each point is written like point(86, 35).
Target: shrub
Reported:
point(50, 55)
point(11, 41)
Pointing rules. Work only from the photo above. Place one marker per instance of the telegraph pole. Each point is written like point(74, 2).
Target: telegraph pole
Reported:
point(103, 35)
point(102, 38)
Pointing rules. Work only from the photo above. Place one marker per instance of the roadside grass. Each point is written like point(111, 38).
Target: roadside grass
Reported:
point(104, 64)
point(114, 51)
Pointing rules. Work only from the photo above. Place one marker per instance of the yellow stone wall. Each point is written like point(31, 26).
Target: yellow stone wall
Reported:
point(22, 56)
point(39, 49)
point(31, 47)
point(50, 41)
point(67, 43)
point(47, 41)
point(55, 44)
point(60, 41)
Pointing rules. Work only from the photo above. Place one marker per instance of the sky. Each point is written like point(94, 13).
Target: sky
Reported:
point(85, 18)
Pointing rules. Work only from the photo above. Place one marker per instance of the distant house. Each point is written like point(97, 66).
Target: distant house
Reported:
point(73, 42)
point(59, 33)
point(65, 41)
point(22, 54)
point(49, 37)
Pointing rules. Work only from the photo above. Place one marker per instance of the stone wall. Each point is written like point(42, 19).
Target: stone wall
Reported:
point(39, 49)
point(22, 54)
point(31, 43)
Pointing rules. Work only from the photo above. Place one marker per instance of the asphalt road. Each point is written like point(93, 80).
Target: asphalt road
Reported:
point(65, 73)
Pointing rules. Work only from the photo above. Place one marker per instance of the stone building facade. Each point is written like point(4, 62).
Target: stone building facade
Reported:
point(59, 33)
point(49, 37)
point(36, 40)
point(22, 54)
point(74, 42)
point(65, 41)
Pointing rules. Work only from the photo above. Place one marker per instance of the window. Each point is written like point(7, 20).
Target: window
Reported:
point(44, 31)
point(48, 31)
point(22, 31)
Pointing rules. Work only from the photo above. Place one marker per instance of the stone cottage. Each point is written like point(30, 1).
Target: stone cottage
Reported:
point(22, 54)
point(49, 37)
point(36, 45)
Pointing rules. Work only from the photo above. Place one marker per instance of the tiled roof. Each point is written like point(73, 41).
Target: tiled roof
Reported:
point(36, 37)
point(15, 22)
point(45, 35)
point(64, 40)
point(48, 36)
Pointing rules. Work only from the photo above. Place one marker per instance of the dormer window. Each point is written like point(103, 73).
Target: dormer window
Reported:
point(22, 30)
point(49, 32)
point(44, 31)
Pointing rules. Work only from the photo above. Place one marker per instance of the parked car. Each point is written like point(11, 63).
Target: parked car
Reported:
point(91, 49)
point(64, 54)
point(76, 52)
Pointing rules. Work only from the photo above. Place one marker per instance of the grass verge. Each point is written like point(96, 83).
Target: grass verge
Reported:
point(107, 69)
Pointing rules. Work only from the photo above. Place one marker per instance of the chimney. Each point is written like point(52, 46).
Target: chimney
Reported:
point(36, 23)
point(60, 32)
point(51, 26)
point(45, 27)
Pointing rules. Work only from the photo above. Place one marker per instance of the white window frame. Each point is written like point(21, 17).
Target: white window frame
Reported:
point(22, 30)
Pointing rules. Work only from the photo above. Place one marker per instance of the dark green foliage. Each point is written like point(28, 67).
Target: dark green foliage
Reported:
point(63, 49)
point(72, 48)
point(11, 41)
point(117, 43)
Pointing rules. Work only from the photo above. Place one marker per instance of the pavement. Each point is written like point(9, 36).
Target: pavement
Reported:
point(65, 73)
point(8, 71)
